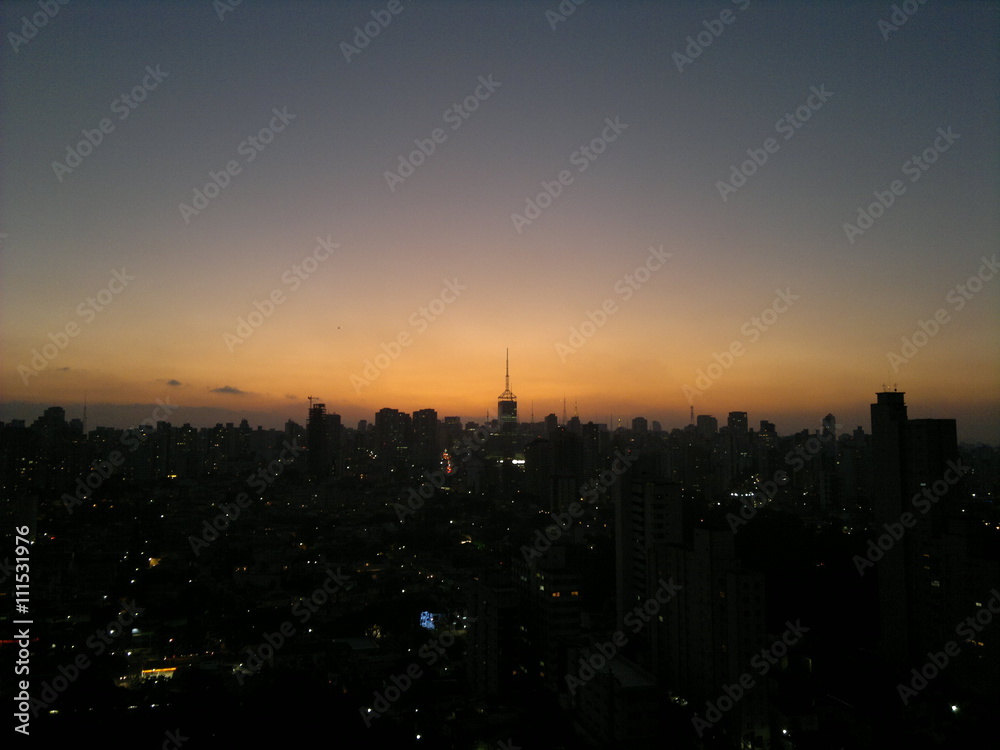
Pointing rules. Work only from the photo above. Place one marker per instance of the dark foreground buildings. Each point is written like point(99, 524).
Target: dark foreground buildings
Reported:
point(417, 581)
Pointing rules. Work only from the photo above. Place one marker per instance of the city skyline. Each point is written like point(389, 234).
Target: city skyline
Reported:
point(551, 373)
point(774, 207)
point(164, 410)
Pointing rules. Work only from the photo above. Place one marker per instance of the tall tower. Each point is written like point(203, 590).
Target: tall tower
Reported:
point(317, 440)
point(507, 403)
point(425, 437)
point(908, 457)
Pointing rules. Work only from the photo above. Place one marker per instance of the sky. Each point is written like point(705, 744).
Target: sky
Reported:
point(230, 207)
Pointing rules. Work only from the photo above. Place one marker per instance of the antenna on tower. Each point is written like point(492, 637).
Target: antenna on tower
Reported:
point(564, 410)
point(532, 412)
point(692, 413)
point(84, 415)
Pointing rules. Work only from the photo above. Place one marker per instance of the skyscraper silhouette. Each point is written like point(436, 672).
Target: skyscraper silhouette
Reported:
point(318, 443)
point(507, 403)
point(907, 457)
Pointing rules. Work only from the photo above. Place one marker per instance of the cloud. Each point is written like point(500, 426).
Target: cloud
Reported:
point(173, 382)
point(229, 389)
point(290, 397)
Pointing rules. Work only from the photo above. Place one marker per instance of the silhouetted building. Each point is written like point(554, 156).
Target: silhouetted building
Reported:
point(318, 442)
point(713, 629)
point(426, 445)
point(551, 424)
point(707, 426)
point(507, 404)
point(737, 422)
point(909, 457)
point(493, 662)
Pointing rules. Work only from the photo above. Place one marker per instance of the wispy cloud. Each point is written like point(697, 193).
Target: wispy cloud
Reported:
point(229, 389)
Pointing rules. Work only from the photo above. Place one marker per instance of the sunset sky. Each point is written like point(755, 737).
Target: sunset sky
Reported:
point(837, 105)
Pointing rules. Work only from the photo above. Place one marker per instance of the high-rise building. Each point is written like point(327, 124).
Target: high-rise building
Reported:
point(538, 469)
point(318, 441)
point(333, 439)
point(707, 426)
point(706, 634)
point(648, 519)
point(713, 629)
point(452, 431)
point(908, 457)
point(493, 648)
point(739, 436)
point(507, 404)
point(830, 426)
point(426, 449)
point(574, 425)
point(550, 588)
point(392, 429)
point(551, 424)
point(888, 417)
